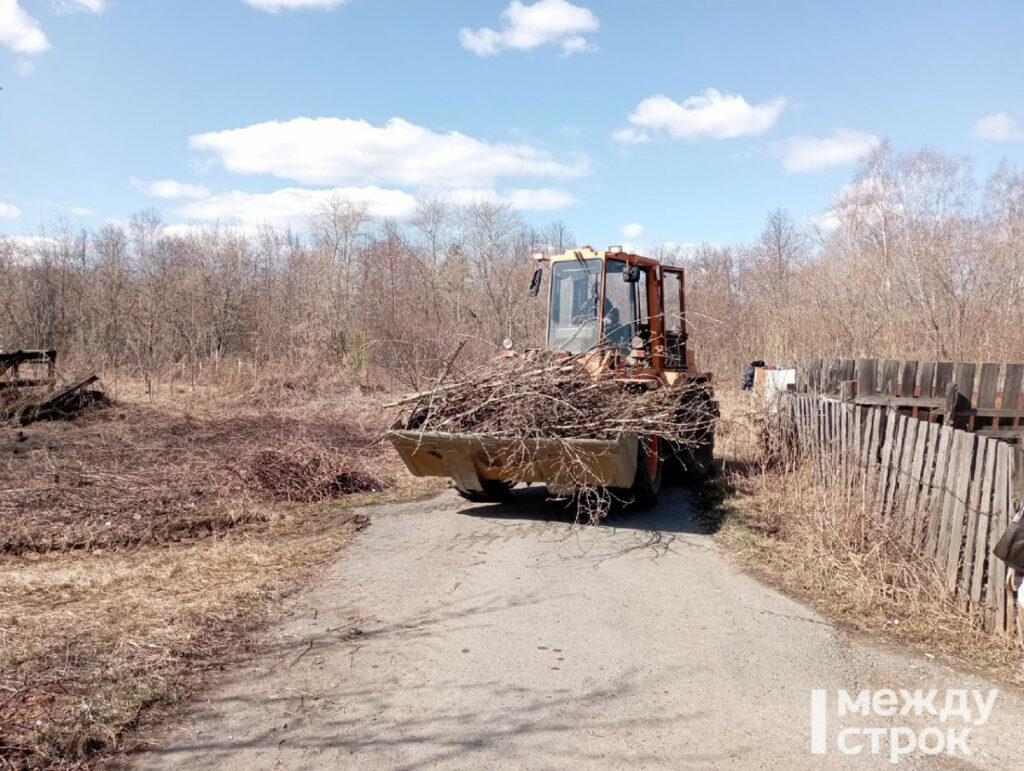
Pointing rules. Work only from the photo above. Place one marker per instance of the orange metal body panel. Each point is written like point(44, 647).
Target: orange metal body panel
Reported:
point(655, 369)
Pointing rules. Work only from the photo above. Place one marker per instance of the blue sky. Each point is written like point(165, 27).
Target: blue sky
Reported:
point(687, 120)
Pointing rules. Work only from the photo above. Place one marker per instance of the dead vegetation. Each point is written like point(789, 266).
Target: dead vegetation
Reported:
point(140, 544)
point(858, 568)
point(306, 472)
point(556, 397)
point(550, 395)
point(22, 406)
point(139, 474)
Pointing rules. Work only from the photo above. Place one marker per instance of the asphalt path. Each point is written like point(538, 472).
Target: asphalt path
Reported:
point(455, 635)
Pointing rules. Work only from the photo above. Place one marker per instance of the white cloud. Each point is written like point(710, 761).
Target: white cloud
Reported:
point(25, 249)
point(275, 6)
point(24, 67)
point(169, 188)
point(182, 230)
point(9, 211)
point(1000, 127)
point(542, 199)
point(841, 148)
point(634, 231)
point(863, 200)
point(826, 222)
point(555, 22)
point(336, 151)
point(81, 211)
point(94, 6)
point(675, 252)
point(19, 31)
point(293, 206)
point(711, 115)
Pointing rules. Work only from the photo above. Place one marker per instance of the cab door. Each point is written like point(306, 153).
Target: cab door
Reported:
point(673, 303)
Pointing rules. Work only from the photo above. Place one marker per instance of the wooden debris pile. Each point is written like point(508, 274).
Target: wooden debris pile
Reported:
point(29, 390)
point(26, 405)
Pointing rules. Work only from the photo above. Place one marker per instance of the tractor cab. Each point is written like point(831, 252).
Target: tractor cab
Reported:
point(628, 308)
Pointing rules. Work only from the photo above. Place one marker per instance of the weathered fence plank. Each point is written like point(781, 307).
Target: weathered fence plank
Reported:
point(938, 498)
point(978, 520)
point(943, 377)
point(956, 450)
point(890, 376)
point(927, 379)
point(925, 467)
point(994, 580)
point(951, 557)
point(988, 385)
point(847, 369)
point(964, 379)
point(866, 376)
point(886, 464)
point(908, 379)
point(1011, 393)
point(896, 476)
point(906, 482)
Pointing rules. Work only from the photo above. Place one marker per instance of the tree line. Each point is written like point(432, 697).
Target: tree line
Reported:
point(915, 259)
point(365, 298)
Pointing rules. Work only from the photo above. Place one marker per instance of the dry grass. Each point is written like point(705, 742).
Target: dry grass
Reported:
point(138, 474)
point(140, 545)
point(810, 541)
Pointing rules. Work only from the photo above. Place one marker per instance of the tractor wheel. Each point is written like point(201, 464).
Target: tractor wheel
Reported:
point(646, 487)
point(694, 461)
point(697, 463)
point(494, 491)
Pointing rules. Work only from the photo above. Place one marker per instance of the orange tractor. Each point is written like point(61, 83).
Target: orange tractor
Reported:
point(625, 316)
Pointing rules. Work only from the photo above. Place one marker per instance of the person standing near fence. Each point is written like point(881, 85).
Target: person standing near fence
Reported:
point(1015, 588)
point(1010, 549)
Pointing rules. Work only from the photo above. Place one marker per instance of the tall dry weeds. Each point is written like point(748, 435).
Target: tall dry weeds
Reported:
point(801, 527)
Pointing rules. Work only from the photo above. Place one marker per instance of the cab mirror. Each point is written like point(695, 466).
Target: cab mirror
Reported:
point(538, 275)
point(631, 274)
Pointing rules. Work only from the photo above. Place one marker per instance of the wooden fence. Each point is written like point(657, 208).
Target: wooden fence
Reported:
point(951, 491)
point(986, 398)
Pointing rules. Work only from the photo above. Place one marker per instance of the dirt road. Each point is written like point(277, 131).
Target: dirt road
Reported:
point(473, 636)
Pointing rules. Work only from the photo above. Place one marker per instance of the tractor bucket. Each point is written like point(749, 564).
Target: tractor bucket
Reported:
point(561, 464)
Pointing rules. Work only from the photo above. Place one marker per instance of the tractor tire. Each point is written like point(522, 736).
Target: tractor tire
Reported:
point(697, 464)
point(646, 487)
point(494, 491)
point(694, 461)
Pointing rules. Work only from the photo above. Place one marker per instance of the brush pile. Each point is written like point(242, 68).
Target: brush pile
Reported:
point(553, 396)
point(306, 472)
point(25, 405)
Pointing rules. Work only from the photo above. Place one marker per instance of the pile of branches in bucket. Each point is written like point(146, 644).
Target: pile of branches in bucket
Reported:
point(548, 395)
point(554, 396)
